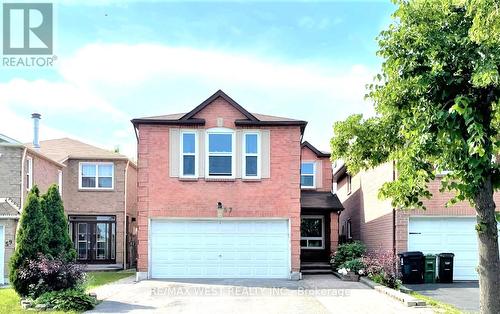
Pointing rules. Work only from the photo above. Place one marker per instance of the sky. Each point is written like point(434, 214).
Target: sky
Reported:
point(118, 60)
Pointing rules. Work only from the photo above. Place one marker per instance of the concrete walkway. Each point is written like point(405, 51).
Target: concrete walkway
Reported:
point(314, 294)
point(464, 295)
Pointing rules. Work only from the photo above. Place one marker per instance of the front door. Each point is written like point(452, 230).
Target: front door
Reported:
point(314, 238)
point(94, 238)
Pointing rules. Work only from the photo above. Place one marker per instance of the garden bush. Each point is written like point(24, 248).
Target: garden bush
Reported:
point(355, 265)
point(45, 274)
point(381, 267)
point(68, 300)
point(347, 252)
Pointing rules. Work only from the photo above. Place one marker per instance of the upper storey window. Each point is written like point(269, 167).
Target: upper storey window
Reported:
point(220, 153)
point(307, 175)
point(96, 175)
point(251, 156)
point(189, 149)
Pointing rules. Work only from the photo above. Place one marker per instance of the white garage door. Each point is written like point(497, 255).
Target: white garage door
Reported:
point(447, 235)
point(2, 255)
point(220, 249)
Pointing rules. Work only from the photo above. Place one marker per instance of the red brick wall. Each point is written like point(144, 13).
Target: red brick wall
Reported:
point(45, 173)
point(326, 168)
point(162, 196)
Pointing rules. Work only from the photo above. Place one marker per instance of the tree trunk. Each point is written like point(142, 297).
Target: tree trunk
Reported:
point(489, 265)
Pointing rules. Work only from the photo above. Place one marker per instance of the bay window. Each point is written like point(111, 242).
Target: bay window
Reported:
point(220, 153)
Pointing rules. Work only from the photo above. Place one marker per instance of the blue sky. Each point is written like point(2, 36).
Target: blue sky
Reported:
point(120, 60)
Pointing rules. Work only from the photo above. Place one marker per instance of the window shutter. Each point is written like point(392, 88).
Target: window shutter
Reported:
point(174, 151)
point(200, 154)
point(265, 143)
point(319, 174)
point(239, 153)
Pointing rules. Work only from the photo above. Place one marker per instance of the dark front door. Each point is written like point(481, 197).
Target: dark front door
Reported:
point(314, 238)
point(94, 238)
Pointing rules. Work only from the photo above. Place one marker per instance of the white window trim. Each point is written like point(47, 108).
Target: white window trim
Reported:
point(96, 164)
point(60, 181)
point(313, 175)
point(207, 152)
point(349, 184)
point(322, 238)
point(245, 155)
point(182, 154)
point(29, 173)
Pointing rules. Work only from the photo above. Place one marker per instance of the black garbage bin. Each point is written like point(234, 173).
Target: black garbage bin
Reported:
point(446, 267)
point(412, 267)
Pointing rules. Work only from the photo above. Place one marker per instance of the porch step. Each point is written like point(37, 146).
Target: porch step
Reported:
point(315, 265)
point(316, 272)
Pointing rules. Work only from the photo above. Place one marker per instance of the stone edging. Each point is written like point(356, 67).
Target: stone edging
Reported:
point(406, 299)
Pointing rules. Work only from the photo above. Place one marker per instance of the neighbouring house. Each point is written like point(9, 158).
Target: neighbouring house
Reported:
point(21, 168)
point(99, 189)
point(220, 195)
point(381, 227)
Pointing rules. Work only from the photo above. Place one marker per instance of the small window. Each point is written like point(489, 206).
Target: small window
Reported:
point(251, 158)
point(349, 184)
point(349, 229)
point(220, 154)
point(189, 167)
point(312, 232)
point(307, 175)
point(29, 173)
point(96, 175)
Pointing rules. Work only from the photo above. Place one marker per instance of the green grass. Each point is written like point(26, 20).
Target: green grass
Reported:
point(439, 307)
point(9, 300)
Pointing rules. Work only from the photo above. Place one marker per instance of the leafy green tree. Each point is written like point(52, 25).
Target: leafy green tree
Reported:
point(438, 108)
point(31, 240)
point(59, 243)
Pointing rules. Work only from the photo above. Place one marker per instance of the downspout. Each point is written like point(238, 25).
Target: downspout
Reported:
point(393, 213)
point(23, 163)
point(125, 219)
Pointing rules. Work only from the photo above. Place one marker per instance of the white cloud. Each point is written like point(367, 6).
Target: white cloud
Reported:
point(149, 79)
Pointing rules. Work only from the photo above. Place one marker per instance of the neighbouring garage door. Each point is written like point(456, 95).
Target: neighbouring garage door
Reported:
point(220, 249)
point(446, 234)
point(2, 254)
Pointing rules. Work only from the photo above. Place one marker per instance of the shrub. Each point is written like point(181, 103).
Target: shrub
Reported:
point(46, 274)
point(59, 240)
point(381, 267)
point(347, 252)
point(68, 300)
point(31, 240)
point(354, 265)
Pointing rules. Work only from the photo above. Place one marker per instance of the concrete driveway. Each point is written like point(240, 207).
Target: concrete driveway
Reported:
point(314, 294)
point(464, 295)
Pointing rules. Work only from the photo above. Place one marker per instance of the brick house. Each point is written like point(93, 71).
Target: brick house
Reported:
point(99, 195)
point(21, 168)
point(219, 194)
point(435, 230)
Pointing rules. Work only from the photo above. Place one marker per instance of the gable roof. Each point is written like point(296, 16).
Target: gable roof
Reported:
point(66, 148)
point(316, 151)
point(251, 119)
point(8, 208)
point(211, 99)
point(5, 140)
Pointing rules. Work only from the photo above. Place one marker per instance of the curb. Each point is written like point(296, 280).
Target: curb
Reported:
point(402, 297)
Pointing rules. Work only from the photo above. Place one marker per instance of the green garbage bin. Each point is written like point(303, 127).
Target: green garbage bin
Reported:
point(430, 269)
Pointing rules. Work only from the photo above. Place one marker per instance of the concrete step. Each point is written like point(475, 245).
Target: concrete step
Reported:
point(316, 272)
point(315, 266)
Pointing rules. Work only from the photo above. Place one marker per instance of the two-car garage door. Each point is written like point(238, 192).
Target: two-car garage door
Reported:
point(219, 248)
point(447, 235)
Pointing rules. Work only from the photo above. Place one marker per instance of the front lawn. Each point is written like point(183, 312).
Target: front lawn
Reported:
point(9, 300)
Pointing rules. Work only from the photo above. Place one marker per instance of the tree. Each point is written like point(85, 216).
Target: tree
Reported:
point(437, 105)
point(31, 239)
point(59, 241)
